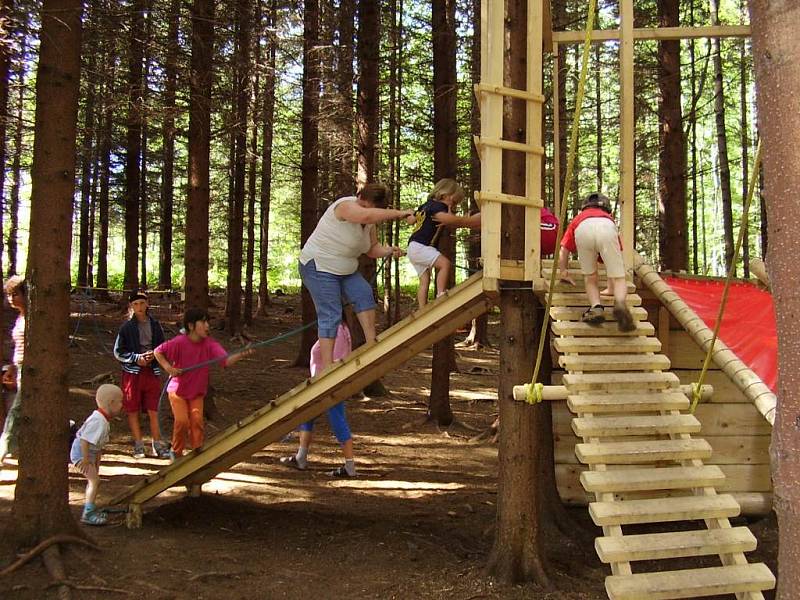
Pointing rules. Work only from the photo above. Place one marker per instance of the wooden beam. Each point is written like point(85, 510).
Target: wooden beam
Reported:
point(654, 33)
point(507, 145)
point(533, 137)
point(481, 197)
point(507, 91)
point(627, 126)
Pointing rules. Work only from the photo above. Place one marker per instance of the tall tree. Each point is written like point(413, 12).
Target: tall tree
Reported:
point(133, 143)
point(252, 166)
point(168, 147)
point(310, 158)
point(673, 235)
point(267, 134)
point(144, 195)
point(369, 32)
point(517, 552)
point(722, 143)
point(445, 136)
point(343, 183)
point(776, 52)
point(197, 208)
point(236, 225)
point(744, 68)
point(16, 164)
point(41, 507)
point(6, 50)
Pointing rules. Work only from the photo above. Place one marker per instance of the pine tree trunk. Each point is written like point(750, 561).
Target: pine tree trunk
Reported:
point(776, 51)
point(369, 30)
point(445, 135)
point(105, 182)
point(517, 554)
point(266, 158)
point(16, 169)
point(5, 67)
point(87, 145)
point(133, 144)
point(252, 166)
point(41, 507)
point(236, 230)
point(344, 182)
point(144, 195)
point(673, 233)
point(197, 209)
point(394, 151)
point(168, 143)
point(745, 142)
point(722, 144)
point(310, 159)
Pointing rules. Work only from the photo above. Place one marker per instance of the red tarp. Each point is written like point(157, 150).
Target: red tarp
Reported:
point(748, 323)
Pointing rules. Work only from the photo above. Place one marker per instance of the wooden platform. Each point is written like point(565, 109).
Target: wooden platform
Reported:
point(645, 463)
point(311, 398)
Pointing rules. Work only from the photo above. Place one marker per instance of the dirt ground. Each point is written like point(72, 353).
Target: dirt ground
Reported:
point(418, 522)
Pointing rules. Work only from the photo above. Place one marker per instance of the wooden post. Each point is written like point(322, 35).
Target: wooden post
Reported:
point(556, 134)
point(626, 182)
point(133, 518)
point(533, 128)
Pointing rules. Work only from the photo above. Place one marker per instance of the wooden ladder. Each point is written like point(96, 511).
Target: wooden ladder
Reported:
point(644, 465)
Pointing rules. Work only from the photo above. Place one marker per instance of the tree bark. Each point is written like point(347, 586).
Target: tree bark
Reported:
point(252, 166)
point(722, 144)
point(197, 212)
point(673, 232)
point(445, 136)
point(16, 169)
point(236, 226)
point(344, 182)
point(266, 157)
point(310, 159)
point(517, 554)
point(168, 136)
point(87, 145)
point(133, 144)
point(105, 180)
point(776, 52)
point(5, 67)
point(41, 507)
point(369, 31)
point(144, 196)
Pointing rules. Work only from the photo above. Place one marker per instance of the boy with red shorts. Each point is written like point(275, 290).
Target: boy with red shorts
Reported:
point(141, 386)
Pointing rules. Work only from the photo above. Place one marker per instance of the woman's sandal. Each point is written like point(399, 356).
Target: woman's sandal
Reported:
point(291, 462)
point(594, 315)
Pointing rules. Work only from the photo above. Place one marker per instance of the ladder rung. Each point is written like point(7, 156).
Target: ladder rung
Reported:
point(579, 299)
point(574, 313)
point(507, 91)
point(617, 362)
point(639, 480)
point(614, 453)
point(606, 345)
point(636, 425)
point(660, 510)
point(621, 382)
point(690, 583)
point(625, 403)
point(674, 544)
point(507, 145)
point(643, 328)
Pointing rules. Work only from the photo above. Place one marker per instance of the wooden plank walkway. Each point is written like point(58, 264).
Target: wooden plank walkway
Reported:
point(623, 397)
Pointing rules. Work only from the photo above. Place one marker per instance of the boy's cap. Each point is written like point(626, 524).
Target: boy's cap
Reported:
point(597, 200)
point(137, 296)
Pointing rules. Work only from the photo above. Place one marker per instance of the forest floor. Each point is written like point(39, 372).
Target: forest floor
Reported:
point(418, 522)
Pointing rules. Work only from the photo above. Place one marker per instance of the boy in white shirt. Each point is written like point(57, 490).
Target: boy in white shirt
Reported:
point(87, 448)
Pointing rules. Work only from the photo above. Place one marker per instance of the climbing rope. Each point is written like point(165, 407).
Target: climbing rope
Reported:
point(534, 389)
point(697, 387)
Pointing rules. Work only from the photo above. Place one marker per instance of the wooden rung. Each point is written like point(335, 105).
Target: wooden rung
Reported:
point(506, 145)
point(610, 345)
point(661, 510)
point(674, 544)
point(690, 583)
point(574, 313)
point(579, 299)
point(620, 382)
point(573, 265)
point(616, 453)
point(506, 91)
point(636, 425)
point(481, 197)
point(638, 480)
point(563, 286)
point(571, 328)
point(626, 403)
point(615, 362)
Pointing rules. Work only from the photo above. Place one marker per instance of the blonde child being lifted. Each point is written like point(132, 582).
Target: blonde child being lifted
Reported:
point(422, 251)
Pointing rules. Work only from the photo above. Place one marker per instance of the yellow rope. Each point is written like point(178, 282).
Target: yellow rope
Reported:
point(697, 387)
point(534, 393)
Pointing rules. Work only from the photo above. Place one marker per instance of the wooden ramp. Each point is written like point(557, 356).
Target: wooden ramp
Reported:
point(312, 397)
point(645, 463)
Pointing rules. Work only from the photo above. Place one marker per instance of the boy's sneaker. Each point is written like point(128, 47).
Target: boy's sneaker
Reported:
point(138, 450)
point(624, 318)
point(594, 315)
point(292, 462)
point(94, 517)
point(341, 472)
point(161, 449)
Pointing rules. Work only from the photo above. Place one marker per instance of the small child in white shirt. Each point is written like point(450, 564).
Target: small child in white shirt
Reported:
point(87, 448)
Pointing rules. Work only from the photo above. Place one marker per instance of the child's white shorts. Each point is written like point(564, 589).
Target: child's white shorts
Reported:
point(599, 236)
point(421, 256)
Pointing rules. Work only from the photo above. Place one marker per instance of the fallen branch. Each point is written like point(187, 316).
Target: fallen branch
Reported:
point(87, 588)
point(42, 546)
point(217, 574)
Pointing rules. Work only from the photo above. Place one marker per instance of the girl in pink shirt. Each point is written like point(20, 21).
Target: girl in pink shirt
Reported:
point(188, 386)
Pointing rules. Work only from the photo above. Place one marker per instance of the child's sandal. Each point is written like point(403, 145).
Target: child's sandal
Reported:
point(594, 315)
point(95, 517)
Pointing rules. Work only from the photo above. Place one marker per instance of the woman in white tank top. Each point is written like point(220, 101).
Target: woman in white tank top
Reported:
point(329, 261)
